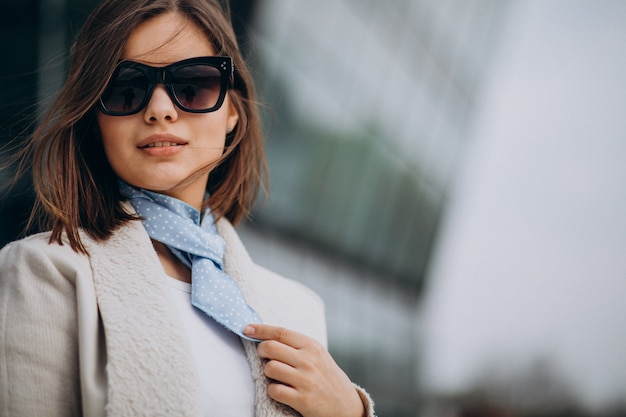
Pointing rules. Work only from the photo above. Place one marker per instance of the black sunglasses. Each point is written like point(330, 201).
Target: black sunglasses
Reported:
point(196, 85)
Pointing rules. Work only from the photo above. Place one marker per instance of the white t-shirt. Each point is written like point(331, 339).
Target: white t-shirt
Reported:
point(226, 386)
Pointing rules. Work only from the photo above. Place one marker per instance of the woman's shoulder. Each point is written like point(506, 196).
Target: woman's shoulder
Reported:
point(37, 252)
point(287, 286)
point(238, 262)
point(36, 243)
point(289, 303)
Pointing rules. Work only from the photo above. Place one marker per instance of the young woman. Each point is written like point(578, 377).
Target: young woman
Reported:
point(141, 299)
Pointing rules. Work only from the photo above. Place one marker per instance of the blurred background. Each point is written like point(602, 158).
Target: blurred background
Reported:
point(448, 175)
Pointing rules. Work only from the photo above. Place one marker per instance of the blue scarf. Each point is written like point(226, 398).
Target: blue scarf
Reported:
point(194, 240)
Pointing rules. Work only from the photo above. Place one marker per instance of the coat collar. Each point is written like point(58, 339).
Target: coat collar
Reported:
point(149, 369)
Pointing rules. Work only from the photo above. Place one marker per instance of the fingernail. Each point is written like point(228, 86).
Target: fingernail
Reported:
point(249, 330)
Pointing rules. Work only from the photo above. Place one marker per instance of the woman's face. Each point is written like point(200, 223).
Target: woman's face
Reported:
point(160, 147)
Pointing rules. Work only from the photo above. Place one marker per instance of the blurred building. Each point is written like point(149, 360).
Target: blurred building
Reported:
point(367, 108)
point(370, 106)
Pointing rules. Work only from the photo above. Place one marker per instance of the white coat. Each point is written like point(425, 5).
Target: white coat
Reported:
point(97, 335)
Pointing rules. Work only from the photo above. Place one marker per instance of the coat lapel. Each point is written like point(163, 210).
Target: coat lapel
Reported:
point(148, 364)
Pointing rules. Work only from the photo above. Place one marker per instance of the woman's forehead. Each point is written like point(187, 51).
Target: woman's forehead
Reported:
point(166, 38)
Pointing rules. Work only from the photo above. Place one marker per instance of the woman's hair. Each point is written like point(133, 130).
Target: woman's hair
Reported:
point(75, 186)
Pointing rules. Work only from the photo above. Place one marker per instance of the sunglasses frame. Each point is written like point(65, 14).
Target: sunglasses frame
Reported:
point(163, 75)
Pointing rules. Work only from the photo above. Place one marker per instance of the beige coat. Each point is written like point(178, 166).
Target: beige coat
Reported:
point(97, 336)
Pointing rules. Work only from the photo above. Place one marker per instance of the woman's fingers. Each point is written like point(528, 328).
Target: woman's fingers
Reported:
point(281, 372)
point(303, 374)
point(280, 334)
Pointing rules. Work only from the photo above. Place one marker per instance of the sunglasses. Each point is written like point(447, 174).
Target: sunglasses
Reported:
point(196, 85)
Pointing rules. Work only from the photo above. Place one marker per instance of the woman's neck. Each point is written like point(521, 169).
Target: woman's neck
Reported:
point(171, 264)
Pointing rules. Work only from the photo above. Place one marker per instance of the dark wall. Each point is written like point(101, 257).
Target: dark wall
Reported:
point(19, 33)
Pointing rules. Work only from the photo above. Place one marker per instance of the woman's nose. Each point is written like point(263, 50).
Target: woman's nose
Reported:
point(160, 106)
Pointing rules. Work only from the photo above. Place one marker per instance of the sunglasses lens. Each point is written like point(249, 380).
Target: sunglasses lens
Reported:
point(126, 92)
point(197, 87)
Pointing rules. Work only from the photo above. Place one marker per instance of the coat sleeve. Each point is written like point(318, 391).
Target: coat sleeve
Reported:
point(39, 370)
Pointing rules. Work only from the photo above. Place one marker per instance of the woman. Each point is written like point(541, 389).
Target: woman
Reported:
point(149, 155)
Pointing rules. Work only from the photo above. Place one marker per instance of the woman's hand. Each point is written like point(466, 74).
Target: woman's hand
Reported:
point(303, 374)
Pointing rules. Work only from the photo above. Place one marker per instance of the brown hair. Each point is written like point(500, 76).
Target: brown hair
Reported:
point(75, 186)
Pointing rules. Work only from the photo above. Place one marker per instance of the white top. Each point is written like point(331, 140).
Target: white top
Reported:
point(226, 385)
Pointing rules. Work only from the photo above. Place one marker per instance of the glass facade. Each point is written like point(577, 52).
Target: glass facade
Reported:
point(370, 104)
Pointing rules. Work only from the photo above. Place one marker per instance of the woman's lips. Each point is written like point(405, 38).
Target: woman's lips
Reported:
point(162, 145)
point(161, 140)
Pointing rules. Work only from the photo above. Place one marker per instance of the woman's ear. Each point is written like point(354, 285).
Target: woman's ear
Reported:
point(233, 117)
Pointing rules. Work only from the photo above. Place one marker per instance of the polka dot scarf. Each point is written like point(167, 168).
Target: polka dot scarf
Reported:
point(195, 241)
